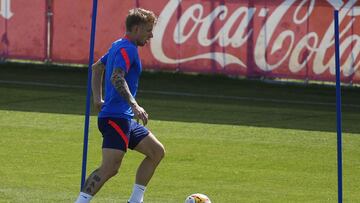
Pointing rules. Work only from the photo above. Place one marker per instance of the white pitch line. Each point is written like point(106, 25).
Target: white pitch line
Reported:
point(187, 94)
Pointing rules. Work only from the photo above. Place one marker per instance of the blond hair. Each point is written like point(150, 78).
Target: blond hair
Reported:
point(139, 16)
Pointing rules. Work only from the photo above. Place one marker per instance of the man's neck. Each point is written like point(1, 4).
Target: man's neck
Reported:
point(129, 37)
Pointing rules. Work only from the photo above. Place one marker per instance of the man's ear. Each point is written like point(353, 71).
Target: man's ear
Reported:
point(135, 29)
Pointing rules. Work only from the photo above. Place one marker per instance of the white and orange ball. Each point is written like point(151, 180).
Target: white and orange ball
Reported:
point(197, 198)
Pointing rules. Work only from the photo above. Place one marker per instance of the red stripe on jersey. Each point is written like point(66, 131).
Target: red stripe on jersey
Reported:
point(126, 58)
point(118, 130)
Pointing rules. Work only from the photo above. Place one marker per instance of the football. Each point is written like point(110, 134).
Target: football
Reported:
point(197, 198)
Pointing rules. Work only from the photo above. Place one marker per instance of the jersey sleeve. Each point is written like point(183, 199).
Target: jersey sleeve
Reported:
point(104, 58)
point(124, 58)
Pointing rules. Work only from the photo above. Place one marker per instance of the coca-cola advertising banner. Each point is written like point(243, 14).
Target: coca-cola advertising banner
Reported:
point(287, 38)
point(23, 29)
point(260, 38)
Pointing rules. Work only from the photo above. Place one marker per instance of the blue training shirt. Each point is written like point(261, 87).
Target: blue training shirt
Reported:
point(122, 54)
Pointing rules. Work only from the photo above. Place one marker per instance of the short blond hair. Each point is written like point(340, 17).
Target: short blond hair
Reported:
point(139, 16)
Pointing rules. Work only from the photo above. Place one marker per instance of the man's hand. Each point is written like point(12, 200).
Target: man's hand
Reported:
point(140, 113)
point(98, 105)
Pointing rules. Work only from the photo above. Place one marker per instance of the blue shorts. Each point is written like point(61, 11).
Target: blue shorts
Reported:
point(120, 133)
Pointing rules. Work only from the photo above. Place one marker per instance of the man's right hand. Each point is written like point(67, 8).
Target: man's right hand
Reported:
point(98, 105)
point(140, 113)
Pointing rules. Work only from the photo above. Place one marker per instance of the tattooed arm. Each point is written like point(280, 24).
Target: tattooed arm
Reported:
point(119, 82)
point(96, 84)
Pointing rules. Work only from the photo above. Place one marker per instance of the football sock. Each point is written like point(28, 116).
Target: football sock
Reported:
point(83, 198)
point(137, 195)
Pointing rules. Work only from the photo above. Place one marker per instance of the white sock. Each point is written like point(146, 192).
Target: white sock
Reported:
point(83, 198)
point(137, 195)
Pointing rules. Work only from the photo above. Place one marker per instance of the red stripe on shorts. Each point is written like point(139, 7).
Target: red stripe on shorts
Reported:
point(118, 130)
point(126, 58)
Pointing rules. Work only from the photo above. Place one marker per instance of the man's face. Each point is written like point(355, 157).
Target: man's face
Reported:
point(143, 33)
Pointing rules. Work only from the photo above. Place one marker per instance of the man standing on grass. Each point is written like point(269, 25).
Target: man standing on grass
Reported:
point(115, 121)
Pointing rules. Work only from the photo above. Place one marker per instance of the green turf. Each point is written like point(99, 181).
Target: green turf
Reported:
point(232, 150)
point(41, 156)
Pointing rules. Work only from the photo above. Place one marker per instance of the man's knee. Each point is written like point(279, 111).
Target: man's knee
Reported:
point(152, 148)
point(109, 170)
point(111, 162)
point(158, 153)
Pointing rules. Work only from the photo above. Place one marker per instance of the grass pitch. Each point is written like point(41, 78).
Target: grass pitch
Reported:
point(234, 149)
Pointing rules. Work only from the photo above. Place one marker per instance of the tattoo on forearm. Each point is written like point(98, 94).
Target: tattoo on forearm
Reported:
point(93, 179)
point(121, 86)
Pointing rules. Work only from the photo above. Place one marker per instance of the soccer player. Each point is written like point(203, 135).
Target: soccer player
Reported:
point(122, 68)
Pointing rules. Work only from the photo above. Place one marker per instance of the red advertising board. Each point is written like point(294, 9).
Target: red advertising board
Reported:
point(72, 26)
point(288, 39)
point(23, 29)
point(278, 38)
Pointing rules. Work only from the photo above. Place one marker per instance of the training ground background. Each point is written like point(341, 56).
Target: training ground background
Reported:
point(235, 140)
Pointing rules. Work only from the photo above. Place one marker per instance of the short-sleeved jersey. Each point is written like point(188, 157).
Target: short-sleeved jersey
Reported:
point(122, 54)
